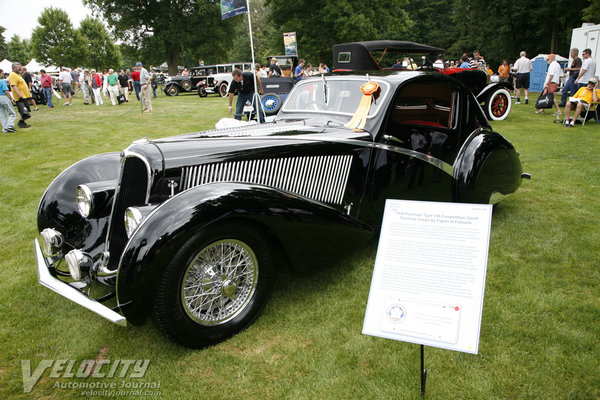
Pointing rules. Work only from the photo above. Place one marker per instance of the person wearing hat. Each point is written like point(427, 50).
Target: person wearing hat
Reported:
point(552, 81)
point(581, 101)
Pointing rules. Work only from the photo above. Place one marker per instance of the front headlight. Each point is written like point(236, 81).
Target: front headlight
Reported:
point(84, 200)
point(133, 218)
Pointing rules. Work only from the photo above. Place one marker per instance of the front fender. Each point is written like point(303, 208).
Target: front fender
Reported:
point(307, 231)
point(58, 210)
point(486, 169)
point(491, 88)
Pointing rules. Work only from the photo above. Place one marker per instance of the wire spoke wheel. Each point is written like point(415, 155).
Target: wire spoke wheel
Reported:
point(219, 282)
point(498, 105)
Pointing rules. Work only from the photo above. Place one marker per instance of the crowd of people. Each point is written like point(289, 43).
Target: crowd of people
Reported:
point(581, 84)
point(21, 86)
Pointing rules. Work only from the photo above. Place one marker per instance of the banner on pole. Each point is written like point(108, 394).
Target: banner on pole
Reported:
point(289, 42)
point(231, 8)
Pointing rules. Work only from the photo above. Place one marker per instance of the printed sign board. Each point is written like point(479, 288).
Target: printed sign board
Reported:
point(429, 276)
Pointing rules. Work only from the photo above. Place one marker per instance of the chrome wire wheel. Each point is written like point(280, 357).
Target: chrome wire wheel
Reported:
point(219, 282)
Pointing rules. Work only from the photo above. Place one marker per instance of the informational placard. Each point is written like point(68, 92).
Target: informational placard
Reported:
point(290, 45)
point(231, 8)
point(429, 276)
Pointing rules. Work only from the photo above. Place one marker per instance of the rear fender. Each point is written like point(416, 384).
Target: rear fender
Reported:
point(303, 229)
point(486, 169)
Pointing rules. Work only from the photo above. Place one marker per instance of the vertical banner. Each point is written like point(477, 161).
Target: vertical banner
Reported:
point(231, 8)
point(289, 42)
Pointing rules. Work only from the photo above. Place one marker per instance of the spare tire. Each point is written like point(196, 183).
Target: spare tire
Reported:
point(498, 104)
point(271, 103)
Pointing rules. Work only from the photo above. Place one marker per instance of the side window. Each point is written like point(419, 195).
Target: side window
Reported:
point(424, 104)
point(344, 57)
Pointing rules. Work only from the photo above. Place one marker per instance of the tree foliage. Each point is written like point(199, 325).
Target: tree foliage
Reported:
point(165, 28)
point(19, 50)
point(3, 47)
point(55, 41)
point(101, 51)
point(502, 28)
point(319, 24)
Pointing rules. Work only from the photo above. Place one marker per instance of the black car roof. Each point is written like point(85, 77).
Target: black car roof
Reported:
point(359, 54)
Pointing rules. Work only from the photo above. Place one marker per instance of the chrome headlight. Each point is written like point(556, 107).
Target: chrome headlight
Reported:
point(84, 200)
point(76, 259)
point(133, 218)
point(51, 241)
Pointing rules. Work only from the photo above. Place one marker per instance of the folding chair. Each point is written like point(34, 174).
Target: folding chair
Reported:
point(593, 108)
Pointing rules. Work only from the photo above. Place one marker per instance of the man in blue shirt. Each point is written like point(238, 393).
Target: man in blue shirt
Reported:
point(6, 107)
point(298, 72)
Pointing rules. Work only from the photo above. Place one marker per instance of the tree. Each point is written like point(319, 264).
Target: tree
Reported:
point(319, 24)
point(101, 51)
point(165, 28)
point(592, 12)
point(19, 50)
point(55, 41)
point(3, 48)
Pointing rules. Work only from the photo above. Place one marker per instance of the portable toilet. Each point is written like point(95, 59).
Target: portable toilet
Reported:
point(538, 73)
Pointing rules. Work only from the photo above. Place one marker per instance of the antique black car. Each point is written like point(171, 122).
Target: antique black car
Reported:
point(194, 82)
point(192, 229)
point(385, 54)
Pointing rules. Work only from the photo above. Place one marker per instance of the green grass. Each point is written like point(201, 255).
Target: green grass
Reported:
point(540, 336)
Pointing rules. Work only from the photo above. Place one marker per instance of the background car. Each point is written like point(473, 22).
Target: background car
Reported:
point(194, 82)
point(191, 230)
point(220, 77)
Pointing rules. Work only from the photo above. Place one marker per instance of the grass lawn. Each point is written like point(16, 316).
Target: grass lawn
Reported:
point(540, 332)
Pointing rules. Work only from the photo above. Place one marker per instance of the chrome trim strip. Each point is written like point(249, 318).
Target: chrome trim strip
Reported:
point(64, 289)
point(321, 178)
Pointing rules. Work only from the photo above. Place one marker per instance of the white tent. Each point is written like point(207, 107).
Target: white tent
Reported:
point(6, 66)
point(34, 66)
point(559, 58)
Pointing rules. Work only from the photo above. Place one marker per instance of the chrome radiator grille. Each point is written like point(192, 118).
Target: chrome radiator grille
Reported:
point(321, 178)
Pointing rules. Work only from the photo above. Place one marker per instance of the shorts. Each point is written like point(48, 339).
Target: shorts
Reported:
point(523, 80)
point(66, 88)
point(552, 87)
point(583, 102)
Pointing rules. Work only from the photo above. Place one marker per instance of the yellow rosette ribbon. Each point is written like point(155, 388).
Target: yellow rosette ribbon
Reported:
point(362, 111)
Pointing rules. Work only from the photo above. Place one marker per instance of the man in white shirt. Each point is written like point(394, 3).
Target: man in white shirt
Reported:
point(588, 69)
point(552, 80)
point(65, 80)
point(522, 67)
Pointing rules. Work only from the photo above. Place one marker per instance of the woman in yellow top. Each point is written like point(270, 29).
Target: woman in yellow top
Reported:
point(582, 100)
point(503, 71)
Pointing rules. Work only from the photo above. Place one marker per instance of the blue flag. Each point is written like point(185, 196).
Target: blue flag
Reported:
point(231, 8)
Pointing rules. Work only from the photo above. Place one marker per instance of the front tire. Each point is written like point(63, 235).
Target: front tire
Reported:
point(223, 89)
point(216, 285)
point(498, 104)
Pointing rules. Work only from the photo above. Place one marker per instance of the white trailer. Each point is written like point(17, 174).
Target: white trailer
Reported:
point(587, 37)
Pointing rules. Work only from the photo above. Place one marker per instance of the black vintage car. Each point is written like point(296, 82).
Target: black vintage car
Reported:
point(192, 229)
point(384, 55)
point(194, 82)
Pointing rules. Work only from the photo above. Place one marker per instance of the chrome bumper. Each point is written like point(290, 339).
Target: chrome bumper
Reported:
point(64, 289)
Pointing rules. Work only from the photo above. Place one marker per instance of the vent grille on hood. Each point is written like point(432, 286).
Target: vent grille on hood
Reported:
point(321, 178)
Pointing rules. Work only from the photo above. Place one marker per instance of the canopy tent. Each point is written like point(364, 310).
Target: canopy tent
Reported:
point(6, 66)
point(559, 58)
point(34, 66)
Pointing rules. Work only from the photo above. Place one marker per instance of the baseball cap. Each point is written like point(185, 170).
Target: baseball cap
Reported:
point(137, 64)
point(594, 81)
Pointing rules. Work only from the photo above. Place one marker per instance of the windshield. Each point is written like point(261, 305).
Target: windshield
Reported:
point(335, 96)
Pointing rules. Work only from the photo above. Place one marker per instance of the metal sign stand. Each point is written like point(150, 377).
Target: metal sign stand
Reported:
point(423, 372)
point(256, 97)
